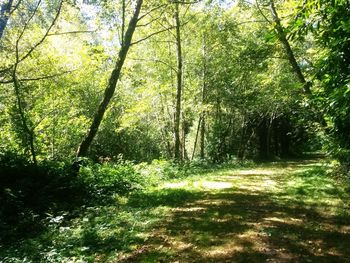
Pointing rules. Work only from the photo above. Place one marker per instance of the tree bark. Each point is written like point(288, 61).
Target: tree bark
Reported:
point(284, 137)
point(4, 15)
point(184, 151)
point(242, 143)
point(112, 83)
point(263, 139)
point(177, 149)
point(202, 139)
point(29, 132)
point(204, 95)
point(196, 139)
point(290, 54)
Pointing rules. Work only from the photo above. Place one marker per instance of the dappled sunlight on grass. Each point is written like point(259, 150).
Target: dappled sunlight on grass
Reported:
point(213, 185)
point(199, 184)
point(176, 185)
point(279, 212)
point(296, 214)
point(255, 172)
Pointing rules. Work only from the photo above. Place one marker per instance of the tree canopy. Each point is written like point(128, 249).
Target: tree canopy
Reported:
point(173, 79)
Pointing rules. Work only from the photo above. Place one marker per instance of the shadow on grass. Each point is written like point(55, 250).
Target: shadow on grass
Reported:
point(243, 225)
point(164, 197)
point(300, 218)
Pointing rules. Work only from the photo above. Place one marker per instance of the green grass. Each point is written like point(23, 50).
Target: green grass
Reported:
point(279, 212)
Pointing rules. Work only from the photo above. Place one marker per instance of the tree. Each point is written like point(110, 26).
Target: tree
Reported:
point(178, 155)
point(327, 23)
point(112, 83)
point(282, 36)
point(21, 54)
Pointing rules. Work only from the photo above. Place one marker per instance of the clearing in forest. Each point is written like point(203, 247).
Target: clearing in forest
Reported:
point(281, 212)
point(277, 212)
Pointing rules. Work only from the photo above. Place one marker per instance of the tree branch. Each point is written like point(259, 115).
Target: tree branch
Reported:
point(15, 7)
point(38, 78)
point(151, 35)
point(186, 2)
point(45, 35)
point(156, 61)
point(150, 22)
point(71, 32)
point(150, 11)
point(261, 12)
point(27, 23)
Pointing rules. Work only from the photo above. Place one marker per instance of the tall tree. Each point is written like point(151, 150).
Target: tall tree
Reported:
point(204, 92)
point(290, 54)
point(282, 37)
point(328, 23)
point(22, 53)
point(112, 83)
point(178, 155)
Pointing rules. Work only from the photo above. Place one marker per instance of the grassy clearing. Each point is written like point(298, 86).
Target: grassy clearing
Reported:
point(280, 212)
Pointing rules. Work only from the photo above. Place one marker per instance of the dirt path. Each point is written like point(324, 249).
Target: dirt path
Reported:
point(278, 213)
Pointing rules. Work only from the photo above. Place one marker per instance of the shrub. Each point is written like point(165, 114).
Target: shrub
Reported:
point(104, 180)
point(29, 192)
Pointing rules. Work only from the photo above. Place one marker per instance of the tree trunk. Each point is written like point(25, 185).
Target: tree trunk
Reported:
point(202, 141)
point(290, 54)
point(296, 68)
point(29, 132)
point(284, 137)
point(112, 83)
point(263, 140)
point(196, 139)
point(242, 143)
point(4, 16)
point(183, 138)
point(204, 95)
point(177, 149)
point(165, 127)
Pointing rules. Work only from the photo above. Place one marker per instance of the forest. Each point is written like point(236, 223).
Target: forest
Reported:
point(174, 131)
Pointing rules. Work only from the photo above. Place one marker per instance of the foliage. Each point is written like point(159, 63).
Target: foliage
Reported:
point(29, 193)
point(241, 101)
point(96, 230)
point(234, 72)
point(106, 179)
point(327, 22)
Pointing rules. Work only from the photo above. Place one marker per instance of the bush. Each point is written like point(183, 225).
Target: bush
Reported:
point(104, 180)
point(28, 193)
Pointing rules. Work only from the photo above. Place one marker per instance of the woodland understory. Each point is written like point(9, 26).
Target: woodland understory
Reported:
point(100, 101)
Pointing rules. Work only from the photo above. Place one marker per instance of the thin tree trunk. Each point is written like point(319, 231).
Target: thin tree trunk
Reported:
point(164, 129)
point(269, 136)
point(202, 141)
point(196, 139)
point(242, 143)
point(5, 12)
point(204, 95)
point(123, 23)
point(290, 54)
point(183, 148)
point(29, 133)
point(113, 80)
point(284, 137)
point(263, 139)
point(177, 154)
point(4, 15)
point(183, 138)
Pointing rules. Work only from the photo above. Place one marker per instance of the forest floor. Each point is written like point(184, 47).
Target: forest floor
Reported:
point(279, 212)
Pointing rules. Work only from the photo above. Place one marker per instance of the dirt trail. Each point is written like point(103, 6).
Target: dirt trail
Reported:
point(276, 213)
